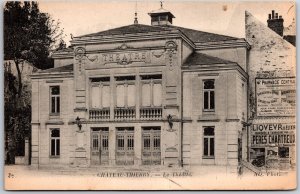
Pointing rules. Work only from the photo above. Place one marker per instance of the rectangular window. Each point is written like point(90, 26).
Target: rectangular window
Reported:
point(55, 142)
point(95, 142)
point(146, 138)
point(100, 92)
point(209, 142)
point(209, 95)
point(151, 90)
point(120, 142)
point(105, 142)
point(54, 99)
point(130, 142)
point(125, 91)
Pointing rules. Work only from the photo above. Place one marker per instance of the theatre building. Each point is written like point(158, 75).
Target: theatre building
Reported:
point(142, 95)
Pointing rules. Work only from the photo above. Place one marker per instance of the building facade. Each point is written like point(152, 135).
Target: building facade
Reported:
point(272, 94)
point(143, 95)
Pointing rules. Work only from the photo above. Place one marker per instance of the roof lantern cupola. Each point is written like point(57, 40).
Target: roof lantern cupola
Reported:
point(161, 16)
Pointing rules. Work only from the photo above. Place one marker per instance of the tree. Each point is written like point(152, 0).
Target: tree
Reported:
point(29, 36)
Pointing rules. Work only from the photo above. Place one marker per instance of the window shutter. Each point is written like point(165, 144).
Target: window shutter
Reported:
point(157, 94)
point(106, 96)
point(146, 95)
point(95, 97)
point(131, 95)
point(120, 96)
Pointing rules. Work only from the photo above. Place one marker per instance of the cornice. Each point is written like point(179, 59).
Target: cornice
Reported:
point(41, 75)
point(125, 37)
point(215, 68)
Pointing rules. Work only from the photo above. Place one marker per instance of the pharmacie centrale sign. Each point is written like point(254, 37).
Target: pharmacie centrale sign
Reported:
point(275, 134)
point(275, 97)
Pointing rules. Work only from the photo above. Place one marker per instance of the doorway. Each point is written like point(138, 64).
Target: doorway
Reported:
point(99, 146)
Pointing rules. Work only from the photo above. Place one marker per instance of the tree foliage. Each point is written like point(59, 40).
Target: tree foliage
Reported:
point(29, 37)
point(29, 34)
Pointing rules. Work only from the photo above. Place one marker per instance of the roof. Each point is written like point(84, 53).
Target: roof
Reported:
point(194, 35)
point(66, 68)
point(203, 59)
point(160, 11)
point(130, 29)
point(201, 36)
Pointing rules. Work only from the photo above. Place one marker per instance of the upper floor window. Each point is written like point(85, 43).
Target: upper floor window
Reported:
point(100, 92)
point(209, 95)
point(151, 90)
point(125, 91)
point(55, 142)
point(54, 99)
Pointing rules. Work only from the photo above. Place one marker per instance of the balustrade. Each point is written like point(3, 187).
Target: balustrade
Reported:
point(99, 114)
point(151, 113)
point(124, 113)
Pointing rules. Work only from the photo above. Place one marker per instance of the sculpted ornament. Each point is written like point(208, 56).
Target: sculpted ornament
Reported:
point(79, 54)
point(171, 49)
point(124, 46)
point(93, 58)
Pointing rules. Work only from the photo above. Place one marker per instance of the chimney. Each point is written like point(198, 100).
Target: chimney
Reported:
point(275, 23)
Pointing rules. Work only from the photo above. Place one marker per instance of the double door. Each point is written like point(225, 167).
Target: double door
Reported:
point(125, 146)
point(151, 146)
point(99, 147)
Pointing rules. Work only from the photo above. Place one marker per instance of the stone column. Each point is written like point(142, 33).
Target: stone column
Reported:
point(112, 146)
point(137, 145)
point(137, 96)
point(112, 97)
point(26, 154)
point(80, 151)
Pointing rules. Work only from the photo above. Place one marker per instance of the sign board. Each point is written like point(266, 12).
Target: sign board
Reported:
point(275, 134)
point(276, 96)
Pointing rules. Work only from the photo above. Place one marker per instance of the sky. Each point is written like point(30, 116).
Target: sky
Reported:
point(228, 18)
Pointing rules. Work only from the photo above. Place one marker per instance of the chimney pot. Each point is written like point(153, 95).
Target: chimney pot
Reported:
point(276, 15)
point(273, 12)
point(269, 16)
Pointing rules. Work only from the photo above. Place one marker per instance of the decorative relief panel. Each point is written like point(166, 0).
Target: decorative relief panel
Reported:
point(171, 50)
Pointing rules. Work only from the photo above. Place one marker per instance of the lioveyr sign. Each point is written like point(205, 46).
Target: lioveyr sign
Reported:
point(275, 97)
point(275, 134)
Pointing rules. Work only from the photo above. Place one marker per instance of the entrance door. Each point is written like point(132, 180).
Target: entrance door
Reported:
point(151, 152)
point(125, 146)
point(99, 146)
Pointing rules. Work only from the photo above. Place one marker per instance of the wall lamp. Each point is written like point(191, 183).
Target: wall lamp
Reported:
point(78, 122)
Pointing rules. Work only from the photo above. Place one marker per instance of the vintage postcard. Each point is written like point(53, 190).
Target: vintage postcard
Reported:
point(150, 95)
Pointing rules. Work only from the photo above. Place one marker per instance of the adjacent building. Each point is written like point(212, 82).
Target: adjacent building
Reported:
point(143, 95)
point(272, 94)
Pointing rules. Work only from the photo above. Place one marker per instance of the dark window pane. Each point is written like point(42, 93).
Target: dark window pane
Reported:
point(212, 100)
point(57, 147)
point(212, 146)
point(156, 143)
point(53, 104)
point(120, 142)
point(205, 146)
point(55, 90)
point(205, 100)
point(209, 84)
point(105, 143)
point(52, 147)
point(146, 142)
point(209, 131)
point(54, 133)
point(57, 104)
